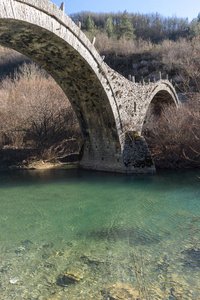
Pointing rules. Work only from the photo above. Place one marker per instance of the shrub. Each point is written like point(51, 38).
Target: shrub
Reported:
point(174, 136)
point(35, 111)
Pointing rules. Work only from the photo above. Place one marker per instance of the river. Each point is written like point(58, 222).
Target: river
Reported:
point(116, 234)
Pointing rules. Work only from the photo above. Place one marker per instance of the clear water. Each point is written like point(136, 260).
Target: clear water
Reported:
point(124, 234)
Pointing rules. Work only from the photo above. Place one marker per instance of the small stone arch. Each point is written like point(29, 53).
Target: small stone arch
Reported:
point(161, 96)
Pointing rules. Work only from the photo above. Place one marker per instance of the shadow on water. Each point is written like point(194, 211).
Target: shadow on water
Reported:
point(66, 173)
point(133, 236)
point(192, 258)
point(73, 173)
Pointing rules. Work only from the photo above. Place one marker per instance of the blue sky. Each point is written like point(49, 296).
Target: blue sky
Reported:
point(167, 8)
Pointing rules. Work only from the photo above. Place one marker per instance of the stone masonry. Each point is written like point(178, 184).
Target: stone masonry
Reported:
point(110, 108)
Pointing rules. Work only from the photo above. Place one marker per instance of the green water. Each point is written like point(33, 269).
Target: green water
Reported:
point(114, 229)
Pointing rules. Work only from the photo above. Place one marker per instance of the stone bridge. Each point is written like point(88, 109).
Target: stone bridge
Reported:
point(110, 108)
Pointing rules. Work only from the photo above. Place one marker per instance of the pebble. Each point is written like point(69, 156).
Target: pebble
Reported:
point(14, 280)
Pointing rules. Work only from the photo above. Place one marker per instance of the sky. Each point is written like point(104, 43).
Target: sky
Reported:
point(167, 8)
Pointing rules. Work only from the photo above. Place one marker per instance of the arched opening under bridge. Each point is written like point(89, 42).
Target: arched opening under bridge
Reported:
point(55, 43)
point(158, 122)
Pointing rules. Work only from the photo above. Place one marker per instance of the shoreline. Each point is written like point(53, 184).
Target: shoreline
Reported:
point(38, 165)
point(43, 165)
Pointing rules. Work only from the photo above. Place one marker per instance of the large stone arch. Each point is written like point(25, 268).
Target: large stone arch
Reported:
point(162, 94)
point(111, 109)
point(42, 32)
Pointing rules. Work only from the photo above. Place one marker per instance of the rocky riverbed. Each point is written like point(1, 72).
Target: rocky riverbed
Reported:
point(44, 271)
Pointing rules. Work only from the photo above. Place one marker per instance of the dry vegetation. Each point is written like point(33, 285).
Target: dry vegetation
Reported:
point(122, 47)
point(36, 115)
point(175, 58)
point(174, 137)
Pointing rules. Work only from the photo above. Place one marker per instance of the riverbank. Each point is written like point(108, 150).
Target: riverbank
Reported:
point(30, 159)
point(27, 159)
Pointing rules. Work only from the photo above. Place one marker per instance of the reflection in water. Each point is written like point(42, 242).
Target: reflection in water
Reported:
point(72, 234)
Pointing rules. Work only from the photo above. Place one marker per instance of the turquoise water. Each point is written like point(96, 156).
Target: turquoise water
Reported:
point(124, 234)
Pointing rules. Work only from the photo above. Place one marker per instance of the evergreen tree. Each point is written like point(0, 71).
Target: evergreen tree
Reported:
point(89, 24)
point(195, 26)
point(126, 30)
point(198, 18)
point(109, 28)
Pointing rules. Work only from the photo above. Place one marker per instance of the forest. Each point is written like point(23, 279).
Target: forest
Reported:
point(38, 123)
point(149, 27)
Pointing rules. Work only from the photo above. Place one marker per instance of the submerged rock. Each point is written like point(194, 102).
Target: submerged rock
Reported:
point(92, 260)
point(70, 277)
point(122, 291)
point(60, 253)
point(24, 246)
point(46, 246)
point(48, 265)
point(73, 276)
point(6, 268)
point(51, 280)
point(27, 243)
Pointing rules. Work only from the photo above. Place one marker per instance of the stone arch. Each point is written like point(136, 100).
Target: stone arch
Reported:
point(42, 32)
point(163, 94)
